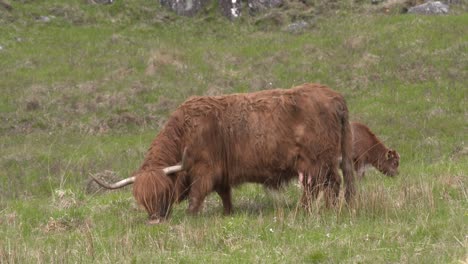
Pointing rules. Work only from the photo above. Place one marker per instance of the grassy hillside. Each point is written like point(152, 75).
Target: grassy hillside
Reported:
point(85, 88)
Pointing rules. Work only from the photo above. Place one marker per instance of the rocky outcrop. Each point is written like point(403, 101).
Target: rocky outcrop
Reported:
point(256, 6)
point(185, 7)
point(229, 8)
point(430, 8)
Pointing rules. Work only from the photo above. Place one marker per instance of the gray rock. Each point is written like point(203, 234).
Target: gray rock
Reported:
point(256, 6)
point(1, 47)
point(6, 5)
point(230, 8)
point(105, 2)
point(185, 7)
point(297, 26)
point(44, 19)
point(430, 8)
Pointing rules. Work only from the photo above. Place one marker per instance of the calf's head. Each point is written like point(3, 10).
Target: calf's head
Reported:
point(389, 163)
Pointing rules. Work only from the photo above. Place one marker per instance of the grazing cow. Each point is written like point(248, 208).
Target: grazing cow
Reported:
point(368, 150)
point(267, 137)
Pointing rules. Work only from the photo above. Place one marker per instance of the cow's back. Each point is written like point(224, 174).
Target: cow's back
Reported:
point(363, 140)
point(266, 136)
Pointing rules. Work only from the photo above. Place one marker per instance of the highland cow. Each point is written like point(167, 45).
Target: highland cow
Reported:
point(267, 137)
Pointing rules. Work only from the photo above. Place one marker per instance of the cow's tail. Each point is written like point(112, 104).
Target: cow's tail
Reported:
point(347, 154)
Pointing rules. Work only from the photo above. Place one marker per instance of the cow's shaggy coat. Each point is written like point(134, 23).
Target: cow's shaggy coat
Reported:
point(267, 137)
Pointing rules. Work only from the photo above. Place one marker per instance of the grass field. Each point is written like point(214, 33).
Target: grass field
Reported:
point(87, 91)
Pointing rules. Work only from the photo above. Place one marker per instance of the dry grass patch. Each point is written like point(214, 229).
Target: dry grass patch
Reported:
point(375, 202)
point(161, 58)
point(9, 218)
point(459, 152)
point(164, 104)
point(367, 61)
point(64, 199)
point(355, 43)
point(107, 176)
point(55, 225)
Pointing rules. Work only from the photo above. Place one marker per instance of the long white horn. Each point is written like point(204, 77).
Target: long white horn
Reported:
point(130, 180)
point(178, 167)
point(116, 185)
point(173, 169)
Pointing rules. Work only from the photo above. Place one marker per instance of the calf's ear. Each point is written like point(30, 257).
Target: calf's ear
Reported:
point(391, 153)
point(388, 155)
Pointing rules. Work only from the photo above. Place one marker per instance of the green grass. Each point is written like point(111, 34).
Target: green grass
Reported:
point(88, 91)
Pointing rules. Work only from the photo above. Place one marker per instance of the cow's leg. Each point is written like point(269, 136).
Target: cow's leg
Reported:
point(306, 198)
point(305, 189)
point(305, 192)
point(201, 186)
point(333, 183)
point(195, 204)
point(197, 195)
point(311, 189)
point(225, 194)
point(318, 178)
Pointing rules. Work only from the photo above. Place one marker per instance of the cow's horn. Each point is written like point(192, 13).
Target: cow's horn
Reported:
point(116, 185)
point(176, 168)
point(130, 180)
point(173, 169)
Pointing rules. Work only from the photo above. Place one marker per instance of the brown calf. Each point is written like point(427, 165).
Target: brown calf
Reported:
point(368, 150)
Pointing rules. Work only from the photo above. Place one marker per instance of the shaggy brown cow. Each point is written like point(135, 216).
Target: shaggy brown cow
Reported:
point(368, 150)
point(267, 137)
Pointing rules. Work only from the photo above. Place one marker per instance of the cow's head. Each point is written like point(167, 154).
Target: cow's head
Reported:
point(154, 190)
point(390, 162)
